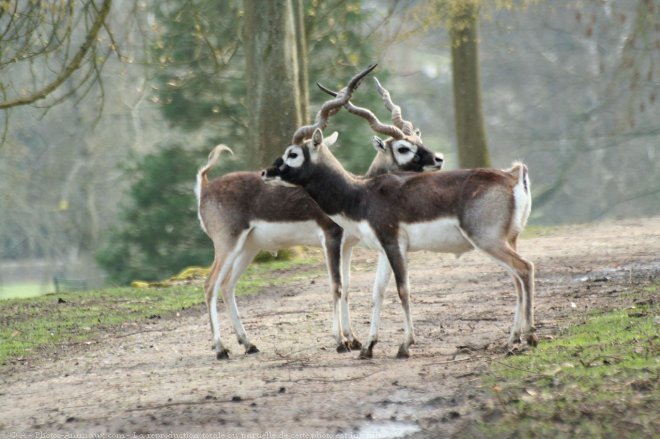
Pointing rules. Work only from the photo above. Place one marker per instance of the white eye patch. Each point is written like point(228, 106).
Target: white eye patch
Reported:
point(403, 151)
point(293, 156)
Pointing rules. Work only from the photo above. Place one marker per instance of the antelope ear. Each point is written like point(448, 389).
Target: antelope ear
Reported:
point(317, 138)
point(378, 143)
point(331, 139)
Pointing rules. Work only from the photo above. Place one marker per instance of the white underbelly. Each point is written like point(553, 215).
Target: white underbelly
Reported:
point(277, 235)
point(359, 229)
point(441, 235)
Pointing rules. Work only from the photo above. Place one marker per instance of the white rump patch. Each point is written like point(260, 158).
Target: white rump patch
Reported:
point(198, 195)
point(522, 203)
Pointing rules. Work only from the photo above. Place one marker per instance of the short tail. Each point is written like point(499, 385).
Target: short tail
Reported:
point(522, 195)
point(202, 179)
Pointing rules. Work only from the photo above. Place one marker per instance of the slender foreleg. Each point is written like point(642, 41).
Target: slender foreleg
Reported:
point(331, 242)
point(241, 262)
point(383, 275)
point(346, 254)
point(397, 258)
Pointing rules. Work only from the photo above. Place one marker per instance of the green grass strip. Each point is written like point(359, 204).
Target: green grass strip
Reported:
point(599, 379)
point(42, 325)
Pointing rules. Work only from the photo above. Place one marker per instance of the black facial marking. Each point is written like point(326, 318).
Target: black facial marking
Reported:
point(278, 168)
point(306, 154)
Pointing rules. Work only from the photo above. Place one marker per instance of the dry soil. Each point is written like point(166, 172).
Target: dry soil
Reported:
point(162, 377)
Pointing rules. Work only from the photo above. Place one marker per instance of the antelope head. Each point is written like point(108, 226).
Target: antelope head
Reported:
point(308, 142)
point(404, 146)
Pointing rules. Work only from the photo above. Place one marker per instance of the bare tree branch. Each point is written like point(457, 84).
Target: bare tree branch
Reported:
point(72, 66)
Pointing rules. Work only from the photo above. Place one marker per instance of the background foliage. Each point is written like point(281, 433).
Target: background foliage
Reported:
point(570, 88)
point(156, 236)
point(201, 83)
point(200, 87)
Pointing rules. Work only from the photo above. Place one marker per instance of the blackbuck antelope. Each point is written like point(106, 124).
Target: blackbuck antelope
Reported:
point(449, 211)
point(403, 139)
point(242, 215)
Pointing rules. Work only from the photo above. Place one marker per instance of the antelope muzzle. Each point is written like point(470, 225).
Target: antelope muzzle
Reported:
point(276, 171)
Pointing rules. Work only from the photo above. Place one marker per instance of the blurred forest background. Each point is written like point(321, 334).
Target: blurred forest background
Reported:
point(107, 109)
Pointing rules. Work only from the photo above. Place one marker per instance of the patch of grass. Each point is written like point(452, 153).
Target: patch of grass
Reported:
point(42, 325)
point(23, 290)
point(599, 379)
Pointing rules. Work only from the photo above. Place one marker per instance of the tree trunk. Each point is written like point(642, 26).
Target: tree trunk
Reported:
point(470, 133)
point(273, 97)
point(301, 47)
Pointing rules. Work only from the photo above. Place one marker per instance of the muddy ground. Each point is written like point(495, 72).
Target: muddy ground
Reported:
point(161, 376)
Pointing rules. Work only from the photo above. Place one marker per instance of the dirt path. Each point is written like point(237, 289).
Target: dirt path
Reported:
point(163, 378)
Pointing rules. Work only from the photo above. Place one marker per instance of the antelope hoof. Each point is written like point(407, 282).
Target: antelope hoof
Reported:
point(515, 350)
point(343, 347)
point(251, 349)
point(403, 353)
point(355, 344)
point(514, 340)
point(222, 355)
point(366, 354)
point(533, 340)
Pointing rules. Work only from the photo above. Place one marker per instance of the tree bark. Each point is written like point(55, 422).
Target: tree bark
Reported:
point(273, 97)
point(470, 132)
point(301, 47)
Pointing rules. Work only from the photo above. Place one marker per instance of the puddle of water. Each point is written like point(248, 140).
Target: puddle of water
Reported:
point(386, 430)
point(619, 273)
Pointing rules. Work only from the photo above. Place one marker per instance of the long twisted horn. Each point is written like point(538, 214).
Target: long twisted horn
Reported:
point(374, 123)
point(405, 126)
point(331, 107)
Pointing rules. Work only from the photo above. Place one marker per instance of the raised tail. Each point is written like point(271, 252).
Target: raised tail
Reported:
point(202, 179)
